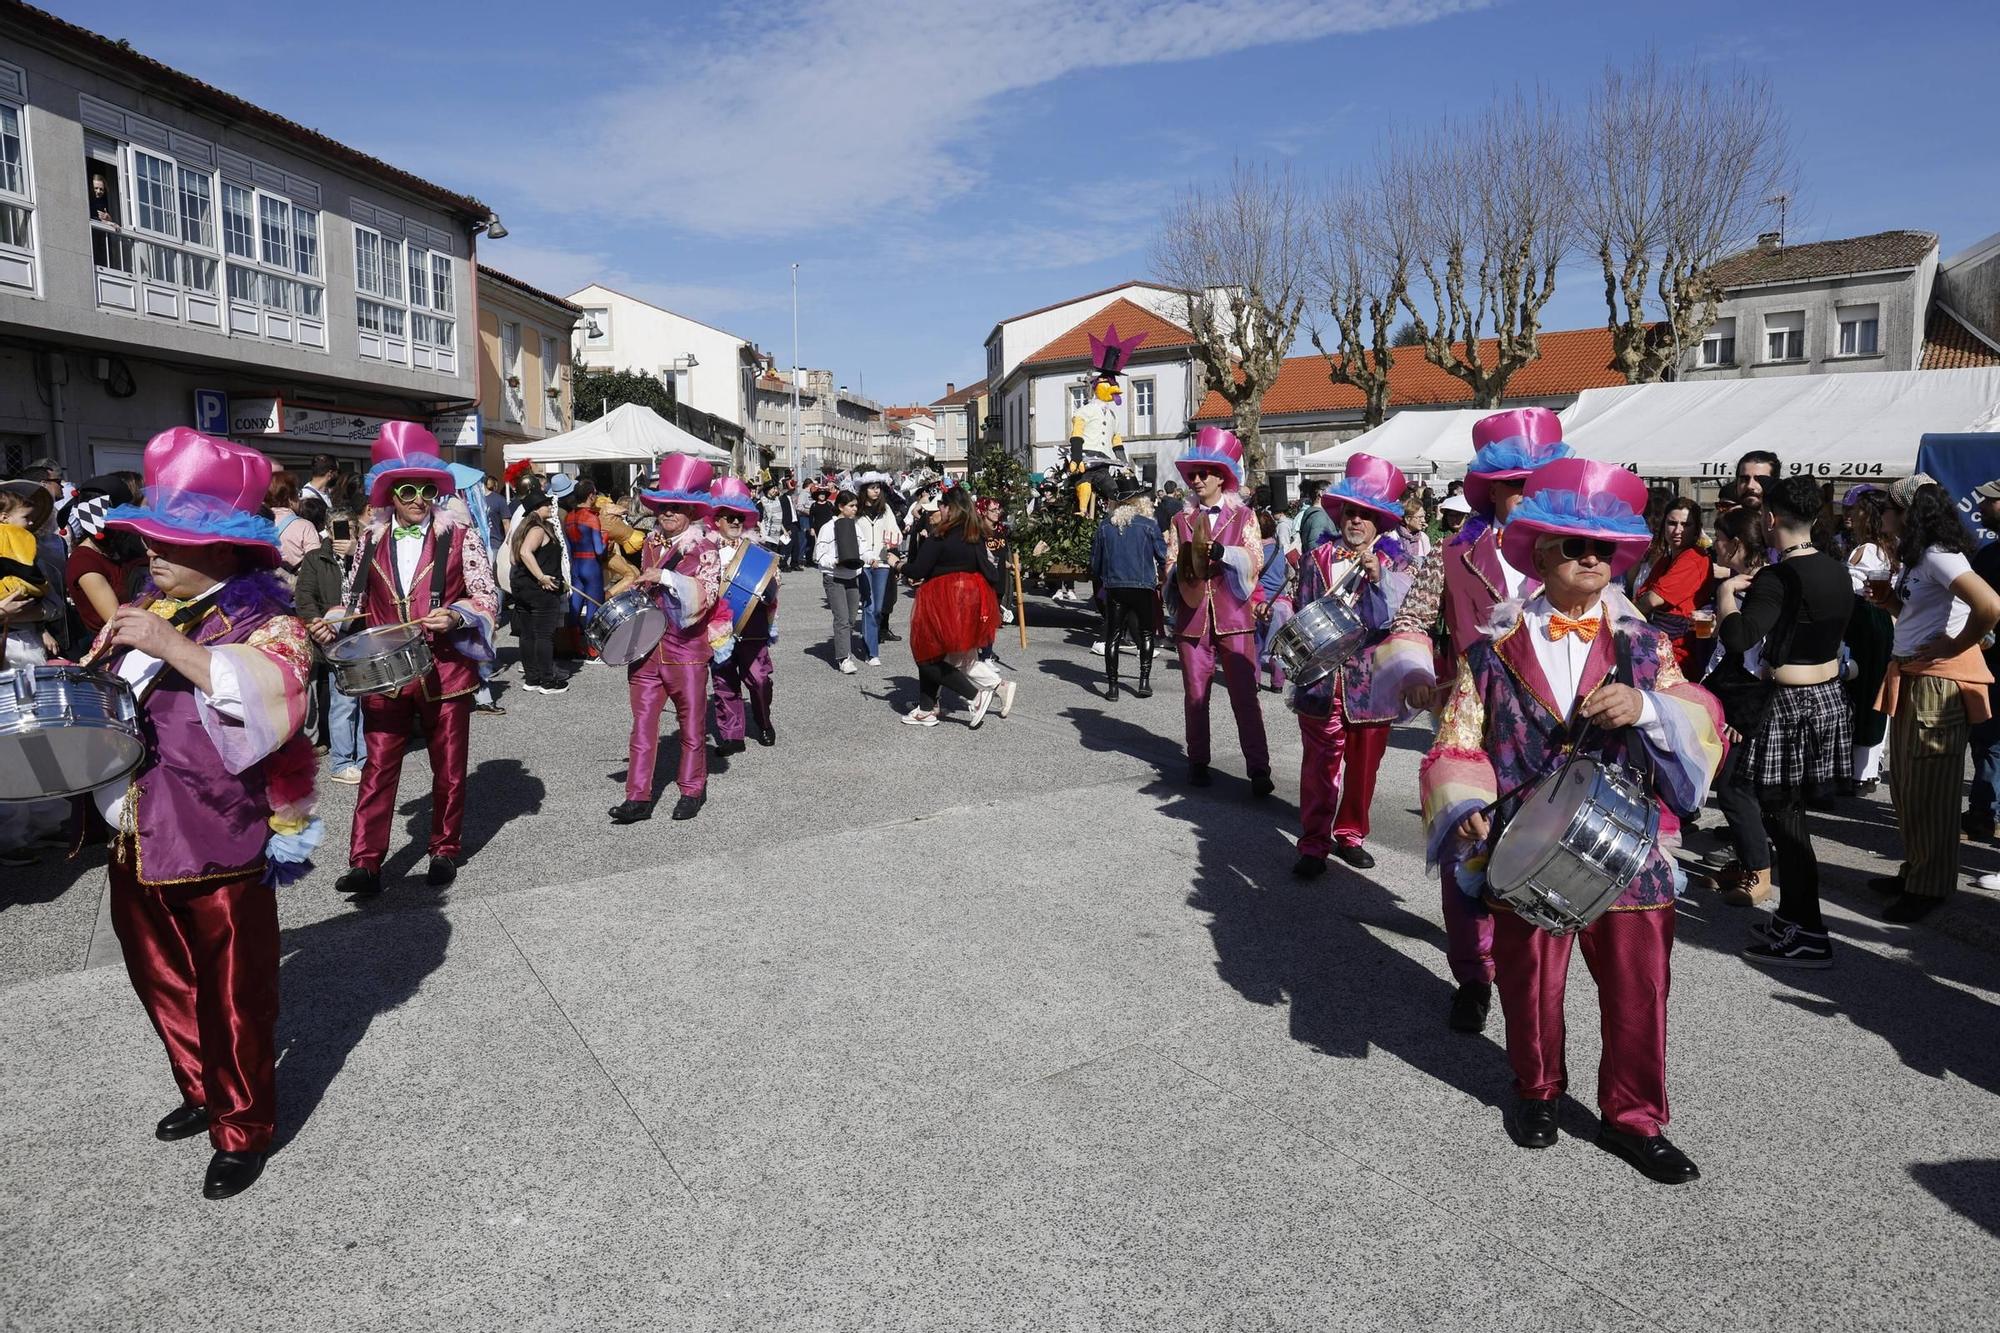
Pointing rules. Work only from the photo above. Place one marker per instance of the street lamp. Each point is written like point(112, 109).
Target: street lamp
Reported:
point(795, 370)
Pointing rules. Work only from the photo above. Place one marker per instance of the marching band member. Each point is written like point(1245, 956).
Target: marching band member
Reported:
point(1467, 575)
point(1577, 526)
point(682, 563)
point(1213, 555)
point(421, 563)
point(1344, 725)
point(219, 810)
point(746, 671)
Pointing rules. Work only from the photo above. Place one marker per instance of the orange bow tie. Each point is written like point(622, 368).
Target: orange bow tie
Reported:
point(1560, 624)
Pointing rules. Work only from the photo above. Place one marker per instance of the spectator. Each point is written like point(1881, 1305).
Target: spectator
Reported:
point(1870, 631)
point(586, 563)
point(43, 616)
point(838, 554)
point(1675, 581)
point(537, 593)
point(322, 481)
point(1737, 681)
point(295, 536)
point(1452, 513)
point(49, 473)
point(1171, 503)
point(1315, 527)
point(320, 592)
point(875, 527)
point(1981, 814)
point(1757, 471)
point(104, 565)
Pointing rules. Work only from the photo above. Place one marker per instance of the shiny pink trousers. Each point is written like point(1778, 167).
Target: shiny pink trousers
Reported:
point(746, 675)
point(651, 683)
point(1339, 765)
point(1627, 953)
point(204, 961)
point(1468, 932)
point(1238, 655)
point(385, 726)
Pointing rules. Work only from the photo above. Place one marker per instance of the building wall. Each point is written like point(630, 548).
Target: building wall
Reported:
point(1018, 339)
point(1901, 300)
point(1970, 285)
point(539, 416)
point(645, 337)
point(1050, 393)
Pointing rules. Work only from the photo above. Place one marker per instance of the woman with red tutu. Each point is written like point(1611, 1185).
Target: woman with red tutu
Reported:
point(958, 608)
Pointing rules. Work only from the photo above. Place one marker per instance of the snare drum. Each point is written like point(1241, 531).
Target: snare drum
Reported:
point(379, 661)
point(1580, 837)
point(746, 581)
point(625, 628)
point(65, 730)
point(1318, 639)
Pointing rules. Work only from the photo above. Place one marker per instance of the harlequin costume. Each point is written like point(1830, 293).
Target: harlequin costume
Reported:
point(1467, 576)
point(403, 574)
point(1343, 720)
point(219, 811)
point(742, 667)
point(1505, 727)
point(690, 567)
point(1213, 619)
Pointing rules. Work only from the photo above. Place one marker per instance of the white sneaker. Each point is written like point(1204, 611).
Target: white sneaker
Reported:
point(1006, 697)
point(1097, 647)
point(874, 661)
point(980, 703)
point(847, 667)
point(346, 777)
point(917, 717)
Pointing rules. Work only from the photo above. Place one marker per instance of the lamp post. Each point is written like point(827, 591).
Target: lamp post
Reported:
point(795, 370)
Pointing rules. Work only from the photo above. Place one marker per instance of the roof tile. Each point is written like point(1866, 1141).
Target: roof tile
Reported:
point(1950, 345)
point(1130, 317)
point(1824, 259)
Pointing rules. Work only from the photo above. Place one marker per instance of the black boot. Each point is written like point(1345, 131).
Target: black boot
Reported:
point(687, 807)
point(1111, 667)
point(1144, 689)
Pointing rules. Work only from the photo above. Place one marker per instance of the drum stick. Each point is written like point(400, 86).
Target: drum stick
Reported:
point(1020, 611)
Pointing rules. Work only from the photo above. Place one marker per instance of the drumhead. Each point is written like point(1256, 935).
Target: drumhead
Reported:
point(1538, 826)
point(363, 644)
point(633, 637)
point(75, 733)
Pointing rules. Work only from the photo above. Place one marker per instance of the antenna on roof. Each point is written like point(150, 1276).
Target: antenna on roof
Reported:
point(1783, 199)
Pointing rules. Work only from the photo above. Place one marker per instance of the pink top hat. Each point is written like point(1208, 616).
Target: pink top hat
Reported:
point(405, 451)
point(1214, 446)
point(683, 484)
point(1579, 497)
point(731, 493)
point(1509, 445)
point(202, 491)
point(1372, 483)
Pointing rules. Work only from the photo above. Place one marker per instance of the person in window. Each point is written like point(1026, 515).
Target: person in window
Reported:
point(1935, 689)
point(1794, 611)
point(1676, 580)
point(103, 205)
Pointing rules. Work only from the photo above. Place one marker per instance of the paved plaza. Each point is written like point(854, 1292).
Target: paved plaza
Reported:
point(928, 1029)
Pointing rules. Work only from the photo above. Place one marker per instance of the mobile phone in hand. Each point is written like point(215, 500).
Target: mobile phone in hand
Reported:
point(342, 530)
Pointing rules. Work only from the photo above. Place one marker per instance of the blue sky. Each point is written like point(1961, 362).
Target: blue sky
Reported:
point(936, 165)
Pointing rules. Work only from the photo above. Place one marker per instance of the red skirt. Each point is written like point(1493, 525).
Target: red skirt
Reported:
point(955, 613)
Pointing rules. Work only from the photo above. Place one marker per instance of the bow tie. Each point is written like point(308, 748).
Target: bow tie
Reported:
point(1585, 629)
point(416, 532)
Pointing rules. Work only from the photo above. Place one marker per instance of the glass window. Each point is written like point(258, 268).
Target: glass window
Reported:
point(1785, 336)
point(420, 276)
point(197, 209)
point(392, 269)
point(242, 283)
point(238, 233)
point(441, 285)
point(367, 261)
point(305, 241)
point(1142, 407)
point(155, 182)
point(369, 316)
point(1076, 398)
point(277, 292)
point(312, 301)
point(1859, 330)
point(548, 364)
point(13, 157)
point(276, 217)
point(392, 321)
point(197, 273)
point(14, 229)
point(1718, 348)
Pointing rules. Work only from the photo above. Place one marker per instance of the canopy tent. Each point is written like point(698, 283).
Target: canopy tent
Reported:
point(1422, 443)
point(1854, 424)
point(627, 433)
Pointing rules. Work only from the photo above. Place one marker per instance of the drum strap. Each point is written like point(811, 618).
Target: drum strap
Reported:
point(367, 567)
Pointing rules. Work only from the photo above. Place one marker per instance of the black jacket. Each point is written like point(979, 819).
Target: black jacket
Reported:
point(319, 586)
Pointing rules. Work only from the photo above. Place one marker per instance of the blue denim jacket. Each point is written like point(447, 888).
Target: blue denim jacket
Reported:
point(1134, 556)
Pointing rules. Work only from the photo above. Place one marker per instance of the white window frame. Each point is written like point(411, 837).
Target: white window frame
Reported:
point(1849, 323)
point(551, 366)
point(396, 319)
point(513, 401)
point(20, 269)
point(156, 272)
point(1711, 352)
point(1146, 420)
point(1079, 395)
point(1787, 331)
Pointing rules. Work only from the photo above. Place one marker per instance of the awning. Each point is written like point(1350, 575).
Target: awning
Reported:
point(1422, 443)
point(628, 433)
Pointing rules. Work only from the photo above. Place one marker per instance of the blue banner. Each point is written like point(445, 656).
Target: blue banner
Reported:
point(1961, 463)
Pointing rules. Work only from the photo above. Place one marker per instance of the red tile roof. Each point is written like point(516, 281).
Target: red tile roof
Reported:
point(960, 397)
point(1130, 318)
point(1950, 345)
point(1824, 259)
point(1572, 360)
point(903, 413)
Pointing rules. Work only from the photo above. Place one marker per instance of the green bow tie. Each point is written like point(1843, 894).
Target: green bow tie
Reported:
point(417, 532)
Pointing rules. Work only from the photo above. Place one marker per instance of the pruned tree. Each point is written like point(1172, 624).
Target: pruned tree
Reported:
point(1679, 168)
point(1240, 256)
point(1489, 205)
point(1360, 274)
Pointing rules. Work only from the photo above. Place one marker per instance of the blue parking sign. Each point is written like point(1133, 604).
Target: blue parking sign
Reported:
point(211, 411)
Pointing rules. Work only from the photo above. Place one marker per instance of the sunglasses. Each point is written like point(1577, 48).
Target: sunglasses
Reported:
point(1194, 474)
point(1350, 512)
point(411, 490)
point(1573, 548)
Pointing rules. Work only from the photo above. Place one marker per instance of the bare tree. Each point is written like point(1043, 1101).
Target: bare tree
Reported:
point(1361, 273)
point(1240, 256)
point(1489, 205)
point(1679, 170)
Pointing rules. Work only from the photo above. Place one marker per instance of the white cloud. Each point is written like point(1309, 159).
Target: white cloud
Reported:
point(826, 113)
point(562, 271)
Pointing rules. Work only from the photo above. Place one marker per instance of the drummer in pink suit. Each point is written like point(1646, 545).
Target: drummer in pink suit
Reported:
point(1344, 718)
point(1214, 554)
point(1466, 578)
point(745, 673)
point(682, 563)
point(421, 562)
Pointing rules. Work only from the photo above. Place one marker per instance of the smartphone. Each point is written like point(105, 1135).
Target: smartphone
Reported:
point(342, 530)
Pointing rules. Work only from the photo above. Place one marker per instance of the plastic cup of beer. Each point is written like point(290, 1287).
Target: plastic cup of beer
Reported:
point(1879, 585)
point(1704, 624)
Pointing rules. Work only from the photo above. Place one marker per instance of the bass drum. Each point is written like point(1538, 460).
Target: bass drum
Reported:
point(1580, 837)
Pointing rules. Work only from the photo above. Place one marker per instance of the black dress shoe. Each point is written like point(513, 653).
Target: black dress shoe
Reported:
point(1889, 886)
point(1910, 907)
point(1355, 855)
point(1261, 785)
point(767, 736)
point(442, 872)
point(231, 1173)
point(687, 807)
point(183, 1122)
point(1535, 1121)
point(723, 749)
point(631, 812)
point(1652, 1156)
point(1470, 1006)
point(1309, 867)
point(1198, 775)
point(359, 882)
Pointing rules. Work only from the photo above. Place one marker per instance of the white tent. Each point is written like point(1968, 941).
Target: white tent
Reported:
point(628, 433)
point(1422, 443)
point(1857, 424)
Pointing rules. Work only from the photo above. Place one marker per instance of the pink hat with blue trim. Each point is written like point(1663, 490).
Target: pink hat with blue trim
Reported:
point(1371, 483)
point(1509, 445)
point(405, 451)
point(1579, 497)
point(1214, 447)
point(202, 491)
point(683, 484)
point(731, 493)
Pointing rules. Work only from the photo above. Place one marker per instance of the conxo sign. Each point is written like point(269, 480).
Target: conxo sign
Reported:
point(271, 417)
